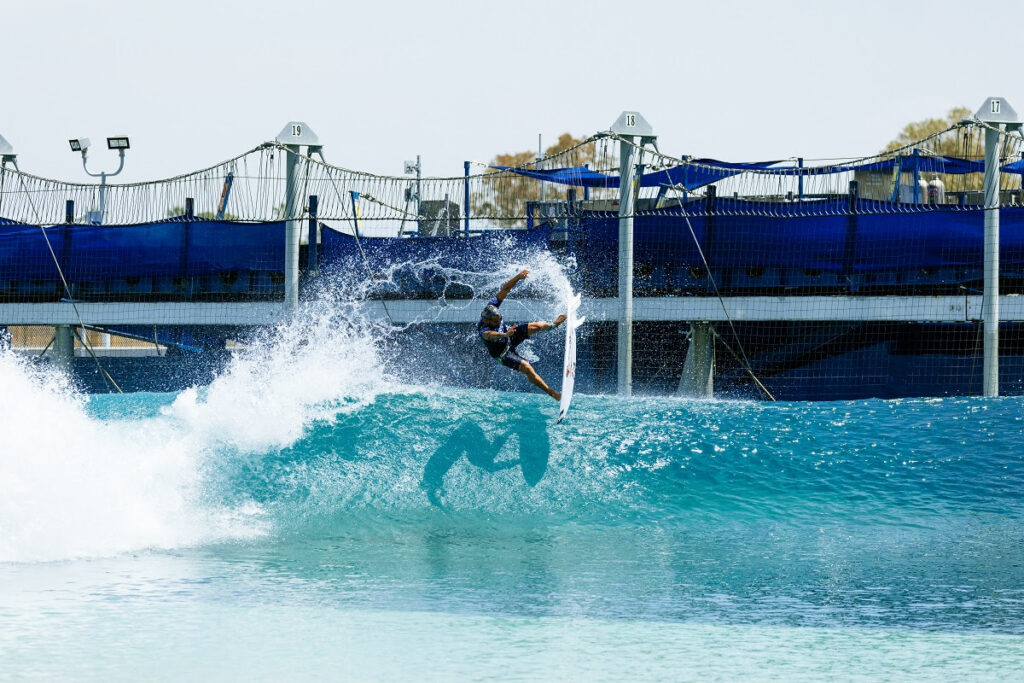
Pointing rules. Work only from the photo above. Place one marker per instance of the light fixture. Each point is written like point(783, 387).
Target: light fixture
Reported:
point(119, 143)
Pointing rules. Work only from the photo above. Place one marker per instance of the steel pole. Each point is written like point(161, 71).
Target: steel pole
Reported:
point(465, 199)
point(628, 157)
point(990, 306)
point(313, 237)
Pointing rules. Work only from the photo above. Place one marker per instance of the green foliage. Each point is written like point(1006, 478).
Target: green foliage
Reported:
point(502, 195)
point(965, 142)
point(175, 211)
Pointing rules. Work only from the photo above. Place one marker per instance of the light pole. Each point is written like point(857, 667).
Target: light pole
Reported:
point(6, 154)
point(82, 145)
point(416, 168)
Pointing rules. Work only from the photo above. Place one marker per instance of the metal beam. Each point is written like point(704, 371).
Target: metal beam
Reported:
point(166, 313)
point(646, 309)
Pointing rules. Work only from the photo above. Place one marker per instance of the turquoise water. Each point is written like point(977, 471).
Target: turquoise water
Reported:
point(306, 517)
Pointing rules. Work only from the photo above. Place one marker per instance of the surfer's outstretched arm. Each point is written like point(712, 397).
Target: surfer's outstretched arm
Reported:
point(507, 287)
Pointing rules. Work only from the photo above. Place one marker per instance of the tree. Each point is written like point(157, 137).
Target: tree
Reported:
point(503, 196)
point(967, 142)
point(176, 211)
point(964, 142)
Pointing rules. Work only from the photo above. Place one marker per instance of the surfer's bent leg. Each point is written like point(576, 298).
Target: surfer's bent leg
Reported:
point(514, 361)
point(534, 328)
point(535, 379)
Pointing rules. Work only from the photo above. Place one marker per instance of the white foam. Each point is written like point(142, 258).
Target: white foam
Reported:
point(306, 371)
point(74, 485)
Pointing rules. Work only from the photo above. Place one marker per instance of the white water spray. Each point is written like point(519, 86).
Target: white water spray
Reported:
point(77, 486)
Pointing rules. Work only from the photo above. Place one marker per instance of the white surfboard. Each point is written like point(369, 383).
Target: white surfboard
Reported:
point(569, 364)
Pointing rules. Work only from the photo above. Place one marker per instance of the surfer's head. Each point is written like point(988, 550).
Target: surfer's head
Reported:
point(490, 315)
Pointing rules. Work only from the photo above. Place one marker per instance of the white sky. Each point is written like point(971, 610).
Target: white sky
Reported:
point(193, 83)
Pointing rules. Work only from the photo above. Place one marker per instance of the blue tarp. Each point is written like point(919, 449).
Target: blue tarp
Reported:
point(691, 176)
point(700, 172)
point(806, 235)
point(167, 249)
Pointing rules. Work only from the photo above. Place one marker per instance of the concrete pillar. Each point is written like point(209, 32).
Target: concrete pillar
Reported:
point(628, 159)
point(293, 136)
point(292, 231)
point(698, 378)
point(63, 347)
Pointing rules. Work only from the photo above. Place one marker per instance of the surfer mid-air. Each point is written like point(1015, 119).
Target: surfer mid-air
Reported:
point(501, 340)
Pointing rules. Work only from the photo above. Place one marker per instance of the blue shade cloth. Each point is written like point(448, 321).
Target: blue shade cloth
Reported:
point(811, 235)
point(697, 173)
point(174, 248)
point(735, 233)
point(1016, 167)
point(578, 176)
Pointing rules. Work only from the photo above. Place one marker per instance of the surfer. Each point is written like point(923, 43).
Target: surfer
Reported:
point(501, 340)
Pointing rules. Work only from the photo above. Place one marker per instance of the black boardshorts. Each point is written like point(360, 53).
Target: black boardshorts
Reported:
point(511, 359)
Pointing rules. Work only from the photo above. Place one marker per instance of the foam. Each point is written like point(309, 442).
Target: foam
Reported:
point(78, 486)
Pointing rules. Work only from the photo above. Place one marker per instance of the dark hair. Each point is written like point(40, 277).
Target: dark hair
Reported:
point(490, 311)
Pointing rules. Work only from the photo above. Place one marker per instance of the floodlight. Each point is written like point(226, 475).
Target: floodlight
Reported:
point(118, 143)
point(79, 145)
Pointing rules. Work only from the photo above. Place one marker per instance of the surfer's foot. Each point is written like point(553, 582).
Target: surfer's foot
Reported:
point(557, 395)
point(559, 320)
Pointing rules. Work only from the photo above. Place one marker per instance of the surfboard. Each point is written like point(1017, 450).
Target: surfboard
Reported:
point(569, 363)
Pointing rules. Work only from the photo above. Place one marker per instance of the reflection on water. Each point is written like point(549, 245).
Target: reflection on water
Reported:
point(469, 440)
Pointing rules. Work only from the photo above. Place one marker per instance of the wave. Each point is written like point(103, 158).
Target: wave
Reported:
point(94, 475)
point(485, 457)
point(308, 432)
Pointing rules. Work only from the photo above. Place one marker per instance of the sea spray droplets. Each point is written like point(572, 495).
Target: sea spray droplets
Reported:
point(299, 373)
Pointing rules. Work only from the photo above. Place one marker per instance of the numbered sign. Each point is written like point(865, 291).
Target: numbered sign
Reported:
point(297, 133)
